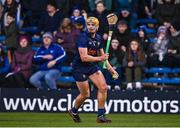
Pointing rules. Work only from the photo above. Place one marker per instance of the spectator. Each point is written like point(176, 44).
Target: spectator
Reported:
point(76, 17)
point(50, 20)
point(63, 6)
point(4, 67)
point(167, 12)
point(66, 36)
point(126, 11)
point(174, 45)
point(123, 34)
point(158, 55)
point(144, 40)
point(101, 14)
point(116, 55)
point(107, 3)
point(1, 12)
point(11, 6)
point(134, 62)
point(11, 33)
point(83, 4)
point(48, 59)
point(32, 11)
point(21, 64)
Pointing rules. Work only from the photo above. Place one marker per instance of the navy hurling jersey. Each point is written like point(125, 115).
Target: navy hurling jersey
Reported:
point(93, 46)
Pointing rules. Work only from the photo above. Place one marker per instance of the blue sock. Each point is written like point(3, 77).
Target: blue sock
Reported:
point(74, 110)
point(101, 112)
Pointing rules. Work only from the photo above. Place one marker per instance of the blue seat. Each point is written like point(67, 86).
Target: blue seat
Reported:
point(2, 38)
point(159, 70)
point(147, 21)
point(176, 70)
point(66, 69)
point(35, 39)
point(175, 80)
point(66, 79)
point(148, 30)
point(158, 80)
point(33, 29)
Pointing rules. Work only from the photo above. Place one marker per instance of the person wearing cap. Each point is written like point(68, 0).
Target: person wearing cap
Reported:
point(48, 59)
point(174, 45)
point(85, 66)
point(123, 34)
point(77, 17)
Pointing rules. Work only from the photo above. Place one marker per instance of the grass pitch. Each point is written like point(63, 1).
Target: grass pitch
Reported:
point(89, 120)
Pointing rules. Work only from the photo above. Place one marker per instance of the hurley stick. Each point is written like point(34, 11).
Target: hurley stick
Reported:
point(112, 19)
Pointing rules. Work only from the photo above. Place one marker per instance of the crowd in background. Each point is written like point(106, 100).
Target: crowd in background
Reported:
point(59, 23)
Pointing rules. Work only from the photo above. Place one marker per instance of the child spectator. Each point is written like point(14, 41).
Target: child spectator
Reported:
point(66, 36)
point(11, 33)
point(11, 6)
point(158, 55)
point(21, 64)
point(76, 16)
point(4, 67)
point(144, 40)
point(48, 59)
point(134, 62)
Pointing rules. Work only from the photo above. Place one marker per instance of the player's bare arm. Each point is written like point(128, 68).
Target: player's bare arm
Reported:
point(109, 67)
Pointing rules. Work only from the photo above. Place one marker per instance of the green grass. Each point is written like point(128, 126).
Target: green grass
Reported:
point(63, 120)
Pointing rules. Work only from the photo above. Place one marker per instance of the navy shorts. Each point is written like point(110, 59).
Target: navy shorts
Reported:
point(82, 73)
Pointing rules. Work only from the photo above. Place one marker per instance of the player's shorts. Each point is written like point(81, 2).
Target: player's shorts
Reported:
point(82, 73)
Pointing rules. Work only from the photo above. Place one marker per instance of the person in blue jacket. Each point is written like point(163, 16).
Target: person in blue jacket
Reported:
point(4, 67)
point(48, 59)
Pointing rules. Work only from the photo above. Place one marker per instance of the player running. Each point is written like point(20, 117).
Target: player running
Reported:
point(85, 65)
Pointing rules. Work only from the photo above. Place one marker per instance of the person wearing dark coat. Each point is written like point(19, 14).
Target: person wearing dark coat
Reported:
point(174, 45)
point(11, 33)
point(51, 19)
point(22, 66)
point(123, 34)
point(167, 12)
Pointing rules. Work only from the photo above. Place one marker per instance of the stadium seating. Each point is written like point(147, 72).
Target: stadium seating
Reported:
point(66, 78)
point(159, 70)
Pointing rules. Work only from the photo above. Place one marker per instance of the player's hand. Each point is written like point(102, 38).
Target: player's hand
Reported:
point(51, 63)
point(48, 57)
point(104, 57)
point(114, 74)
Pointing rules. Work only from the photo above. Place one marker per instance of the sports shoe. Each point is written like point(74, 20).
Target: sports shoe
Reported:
point(102, 119)
point(129, 86)
point(75, 117)
point(138, 85)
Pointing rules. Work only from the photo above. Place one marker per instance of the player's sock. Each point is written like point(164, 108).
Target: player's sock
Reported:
point(74, 110)
point(101, 112)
